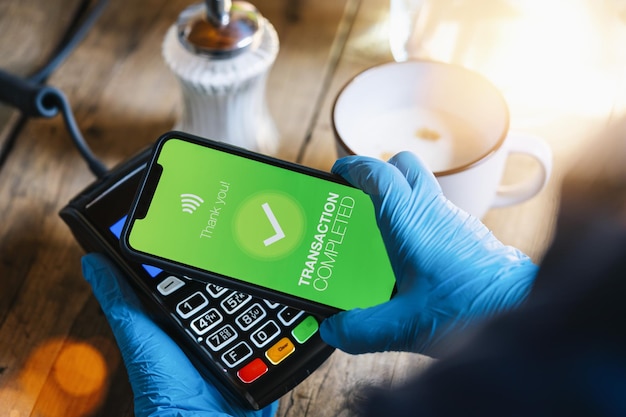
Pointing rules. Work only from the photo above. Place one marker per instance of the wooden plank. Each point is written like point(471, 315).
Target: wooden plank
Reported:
point(123, 97)
point(365, 44)
point(336, 387)
point(29, 32)
point(307, 35)
point(48, 296)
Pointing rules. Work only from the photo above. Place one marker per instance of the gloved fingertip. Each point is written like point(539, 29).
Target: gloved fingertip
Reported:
point(407, 159)
point(106, 282)
point(330, 329)
point(327, 331)
point(373, 329)
point(373, 176)
point(341, 165)
point(337, 332)
point(415, 170)
point(92, 265)
point(341, 161)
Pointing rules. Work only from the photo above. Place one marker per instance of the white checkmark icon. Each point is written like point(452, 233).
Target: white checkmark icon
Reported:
point(279, 234)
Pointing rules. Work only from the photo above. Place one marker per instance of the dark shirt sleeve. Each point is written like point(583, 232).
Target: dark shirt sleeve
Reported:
point(562, 353)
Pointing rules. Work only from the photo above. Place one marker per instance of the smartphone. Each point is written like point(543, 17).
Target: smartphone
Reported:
point(252, 349)
point(277, 230)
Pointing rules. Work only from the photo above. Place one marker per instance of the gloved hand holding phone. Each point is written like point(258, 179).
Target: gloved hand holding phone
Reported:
point(163, 379)
point(450, 270)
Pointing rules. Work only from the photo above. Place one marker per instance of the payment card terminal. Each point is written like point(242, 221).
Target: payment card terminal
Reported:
point(252, 349)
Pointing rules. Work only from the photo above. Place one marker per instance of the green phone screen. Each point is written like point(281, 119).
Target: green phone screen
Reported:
point(269, 226)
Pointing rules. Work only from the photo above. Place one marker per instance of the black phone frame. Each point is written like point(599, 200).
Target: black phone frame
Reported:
point(142, 201)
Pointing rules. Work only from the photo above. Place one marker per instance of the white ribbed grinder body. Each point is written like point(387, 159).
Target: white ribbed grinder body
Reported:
point(224, 98)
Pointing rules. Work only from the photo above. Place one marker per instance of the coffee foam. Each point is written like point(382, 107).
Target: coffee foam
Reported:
point(441, 139)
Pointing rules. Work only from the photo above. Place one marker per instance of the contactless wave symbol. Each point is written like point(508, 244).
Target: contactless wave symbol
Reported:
point(190, 202)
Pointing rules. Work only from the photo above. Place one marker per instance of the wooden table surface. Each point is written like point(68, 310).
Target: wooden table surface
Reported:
point(52, 333)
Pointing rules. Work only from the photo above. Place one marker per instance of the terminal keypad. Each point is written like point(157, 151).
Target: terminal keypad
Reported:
point(249, 335)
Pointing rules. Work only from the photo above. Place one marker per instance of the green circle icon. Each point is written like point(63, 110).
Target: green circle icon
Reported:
point(269, 225)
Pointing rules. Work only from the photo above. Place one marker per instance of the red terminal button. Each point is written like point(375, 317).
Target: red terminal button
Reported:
point(252, 371)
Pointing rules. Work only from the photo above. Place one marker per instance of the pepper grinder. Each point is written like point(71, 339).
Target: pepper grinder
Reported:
point(221, 52)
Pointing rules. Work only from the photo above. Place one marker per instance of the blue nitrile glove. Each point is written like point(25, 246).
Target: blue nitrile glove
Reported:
point(450, 270)
point(164, 381)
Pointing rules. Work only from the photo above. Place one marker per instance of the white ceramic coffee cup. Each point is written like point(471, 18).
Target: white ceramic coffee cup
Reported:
point(454, 119)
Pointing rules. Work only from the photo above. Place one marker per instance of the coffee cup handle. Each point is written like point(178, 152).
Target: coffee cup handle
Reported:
point(537, 148)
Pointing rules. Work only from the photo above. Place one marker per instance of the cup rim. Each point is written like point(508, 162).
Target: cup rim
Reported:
point(479, 159)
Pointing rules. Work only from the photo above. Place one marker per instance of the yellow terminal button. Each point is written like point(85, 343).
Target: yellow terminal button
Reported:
point(277, 353)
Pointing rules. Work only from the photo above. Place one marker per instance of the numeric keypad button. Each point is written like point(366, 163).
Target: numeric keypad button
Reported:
point(265, 333)
point(237, 354)
point(288, 315)
point(215, 290)
point(235, 301)
point(191, 305)
point(250, 317)
point(207, 321)
point(222, 337)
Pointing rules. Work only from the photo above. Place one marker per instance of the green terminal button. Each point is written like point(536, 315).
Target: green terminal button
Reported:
point(307, 328)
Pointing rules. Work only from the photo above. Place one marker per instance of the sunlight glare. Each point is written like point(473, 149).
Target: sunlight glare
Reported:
point(546, 56)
